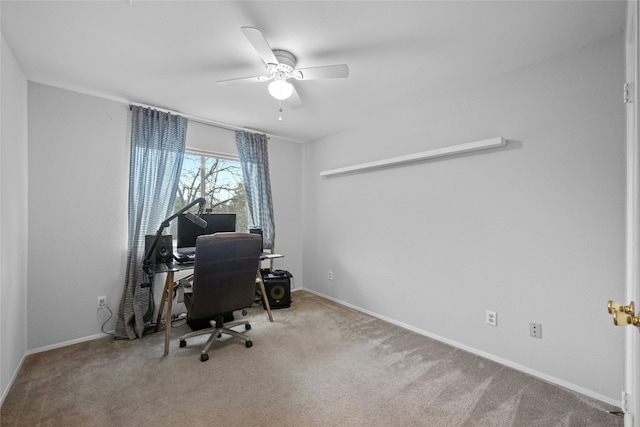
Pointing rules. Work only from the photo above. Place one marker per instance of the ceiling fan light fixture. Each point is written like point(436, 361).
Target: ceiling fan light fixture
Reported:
point(280, 89)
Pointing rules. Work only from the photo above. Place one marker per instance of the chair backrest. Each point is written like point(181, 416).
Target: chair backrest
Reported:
point(224, 273)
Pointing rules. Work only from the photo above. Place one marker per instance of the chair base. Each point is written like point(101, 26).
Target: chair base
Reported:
point(205, 322)
point(216, 332)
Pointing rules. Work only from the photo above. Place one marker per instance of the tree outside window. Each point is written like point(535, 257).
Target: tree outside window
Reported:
point(218, 181)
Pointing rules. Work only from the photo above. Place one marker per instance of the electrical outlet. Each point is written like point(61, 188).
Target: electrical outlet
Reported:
point(330, 275)
point(492, 318)
point(535, 330)
point(102, 301)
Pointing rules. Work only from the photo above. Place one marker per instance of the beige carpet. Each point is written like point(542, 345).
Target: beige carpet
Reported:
point(319, 364)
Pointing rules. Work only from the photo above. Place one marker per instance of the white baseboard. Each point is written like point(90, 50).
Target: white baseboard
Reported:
point(509, 363)
point(486, 355)
point(66, 343)
point(40, 350)
point(5, 392)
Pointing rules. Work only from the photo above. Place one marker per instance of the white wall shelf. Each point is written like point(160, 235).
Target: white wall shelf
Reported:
point(424, 155)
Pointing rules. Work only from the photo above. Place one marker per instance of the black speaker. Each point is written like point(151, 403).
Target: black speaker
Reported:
point(164, 248)
point(278, 289)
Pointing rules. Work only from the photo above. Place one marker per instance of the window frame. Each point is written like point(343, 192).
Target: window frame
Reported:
point(204, 155)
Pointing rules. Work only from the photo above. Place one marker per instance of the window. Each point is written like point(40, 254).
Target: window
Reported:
point(218, 180)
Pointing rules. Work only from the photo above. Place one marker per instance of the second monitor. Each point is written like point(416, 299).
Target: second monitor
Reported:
point(188, 232)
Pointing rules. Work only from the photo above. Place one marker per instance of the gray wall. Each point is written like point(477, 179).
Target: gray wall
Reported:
point(13, 217)
point(78, 192)
point(533, 231)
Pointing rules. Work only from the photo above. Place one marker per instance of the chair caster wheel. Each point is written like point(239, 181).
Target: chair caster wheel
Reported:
point(248, 344)
point(244, 312)
point(204, 357)
point(247, 327)
point(183, 343)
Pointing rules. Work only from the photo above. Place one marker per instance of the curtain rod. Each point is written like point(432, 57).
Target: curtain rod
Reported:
point(202, 120)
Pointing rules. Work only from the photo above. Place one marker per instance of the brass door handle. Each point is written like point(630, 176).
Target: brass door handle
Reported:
point(623, 315)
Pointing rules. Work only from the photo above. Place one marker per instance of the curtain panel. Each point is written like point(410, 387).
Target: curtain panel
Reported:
point(254, 159)
point(157, 152)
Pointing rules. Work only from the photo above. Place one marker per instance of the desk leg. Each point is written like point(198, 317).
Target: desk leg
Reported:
point(168, 287)
point(265, 299)
point(167, 295)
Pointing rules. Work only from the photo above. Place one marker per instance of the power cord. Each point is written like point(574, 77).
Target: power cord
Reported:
point(180, 317)
point(104, 307)
point(175, 318)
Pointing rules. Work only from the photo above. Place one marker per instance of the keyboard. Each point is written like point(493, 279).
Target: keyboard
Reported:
point(184, 258)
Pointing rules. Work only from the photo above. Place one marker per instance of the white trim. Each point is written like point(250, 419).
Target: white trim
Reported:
point(217, 154)
point(66, 343)
point(424, 155)
point(489, 356)
point(12, 380)
point(631, 392)
point(192, 117)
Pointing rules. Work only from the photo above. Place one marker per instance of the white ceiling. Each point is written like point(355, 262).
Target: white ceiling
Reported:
point(169, 54)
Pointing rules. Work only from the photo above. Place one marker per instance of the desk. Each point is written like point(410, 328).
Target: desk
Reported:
point(170, 284)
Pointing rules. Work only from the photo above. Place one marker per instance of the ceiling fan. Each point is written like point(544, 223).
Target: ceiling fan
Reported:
point(281, 66)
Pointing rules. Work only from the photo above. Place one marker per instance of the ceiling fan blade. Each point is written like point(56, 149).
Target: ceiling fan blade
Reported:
point(243, 80)
point(294, 100)
point(325, 72)
point(260, 44)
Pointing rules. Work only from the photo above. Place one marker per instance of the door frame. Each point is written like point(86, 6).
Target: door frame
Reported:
point(631, 393)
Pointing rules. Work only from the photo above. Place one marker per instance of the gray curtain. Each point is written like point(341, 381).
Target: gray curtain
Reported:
point(254, 158)
point(157, 152)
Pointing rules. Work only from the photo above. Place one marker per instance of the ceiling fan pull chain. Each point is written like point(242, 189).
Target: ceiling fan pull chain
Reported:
point(280, 111)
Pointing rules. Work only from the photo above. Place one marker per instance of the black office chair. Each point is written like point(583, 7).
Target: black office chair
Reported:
point(224, 280)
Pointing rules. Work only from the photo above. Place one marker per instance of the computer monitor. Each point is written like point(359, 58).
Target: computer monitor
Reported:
point(188, 232)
